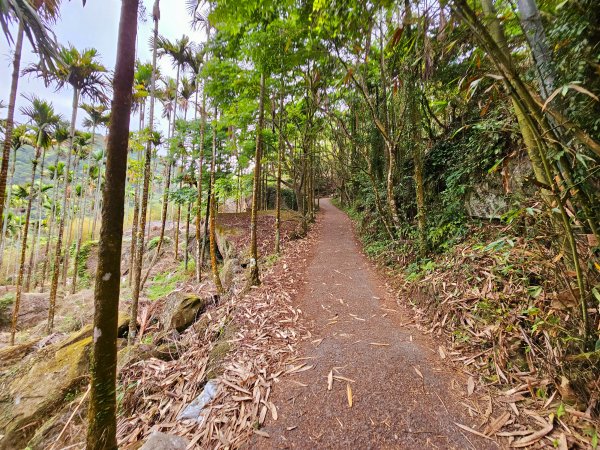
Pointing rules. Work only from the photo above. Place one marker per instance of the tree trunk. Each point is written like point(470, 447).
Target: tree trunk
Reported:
point(102, 423)
point(8, 129)
point(134, 229)
point(139, 252)
point(8, 198)
point(254, 278)
point(213, 210)
point(206, 220)
point(162, 225)
point(177, 222)
point(61, 225)
point(19, 287)
point(69, 227)
point(52, 219)
point(32, 255)
point(278, 186)
point(187, 237)
point(84, 185)
point(199, 189)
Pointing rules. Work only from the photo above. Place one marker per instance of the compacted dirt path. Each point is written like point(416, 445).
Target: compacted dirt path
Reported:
point(362, 345)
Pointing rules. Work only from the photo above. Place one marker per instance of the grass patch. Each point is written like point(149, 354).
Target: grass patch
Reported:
point(163, 284)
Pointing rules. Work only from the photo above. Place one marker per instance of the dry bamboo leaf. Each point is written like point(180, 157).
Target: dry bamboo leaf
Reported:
point(418, 372)
point(497, 424)
point(291, 428)
point(471, 430)
point(442, 352)
point(562, 442)
point(515, 433)
point(330, 380)
point(263, 414)
point(532, 438)
point(470, 386)
point(379, 344)
point(262, 433)
point(349, 393)
point(341, 378)
point(273, 411)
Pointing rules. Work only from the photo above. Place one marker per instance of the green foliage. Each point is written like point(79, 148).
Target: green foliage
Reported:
point(153, 243)
point(86, 248)
point(163, 284)
point(6, 302)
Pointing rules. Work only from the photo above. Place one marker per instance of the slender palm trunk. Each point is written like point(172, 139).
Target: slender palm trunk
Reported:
point(278, 186)
point(199, 188)
point(134, 230)
point(161, 237)
point(69, 225)
point(187, 236)
point(102, 412)
point(32, 261)
point(97, 199)
point(254, 278)
point(8, 199)
point(52, 219)
point(8, 130)
point(19, 293)
point(206, 220)
point(63, 216)
point(177, 223)
point(139, 252)
point(213, 210)
point(84, 185)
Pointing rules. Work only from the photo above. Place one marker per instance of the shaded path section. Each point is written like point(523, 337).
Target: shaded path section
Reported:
point(404, 395)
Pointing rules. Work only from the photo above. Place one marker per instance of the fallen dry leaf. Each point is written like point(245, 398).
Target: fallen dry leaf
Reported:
point(349, 393)
point(470, 386)
point(532, 438)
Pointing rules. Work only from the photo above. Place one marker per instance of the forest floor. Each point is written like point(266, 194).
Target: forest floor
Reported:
point(375, 380)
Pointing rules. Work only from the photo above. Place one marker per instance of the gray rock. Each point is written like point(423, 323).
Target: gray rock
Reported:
point(182, 310)
point(163, 441)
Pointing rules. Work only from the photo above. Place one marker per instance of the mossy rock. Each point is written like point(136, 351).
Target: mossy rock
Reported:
point(32, 393)
point(141, 352)
point(15, 353)
point(201, 325)
point(87, 330)
point(182, 310)
point(225, 247)
point(231, 268)
point(36, 388)
point(6, 306)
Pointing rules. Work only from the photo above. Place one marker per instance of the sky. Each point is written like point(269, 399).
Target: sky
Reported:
point(94, 25)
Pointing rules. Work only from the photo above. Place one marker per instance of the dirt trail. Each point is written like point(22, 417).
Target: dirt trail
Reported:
point(404, 395)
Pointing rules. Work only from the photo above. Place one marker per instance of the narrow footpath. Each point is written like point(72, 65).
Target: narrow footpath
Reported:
point(363, 350)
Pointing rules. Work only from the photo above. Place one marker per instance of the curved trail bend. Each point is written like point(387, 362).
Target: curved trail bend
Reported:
point(404, 395)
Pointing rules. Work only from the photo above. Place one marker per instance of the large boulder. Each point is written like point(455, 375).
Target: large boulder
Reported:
point(181, 310)
point(491, 198)
point(32, 392)
point(230, 270)
point(225, 247)
point(36, 387)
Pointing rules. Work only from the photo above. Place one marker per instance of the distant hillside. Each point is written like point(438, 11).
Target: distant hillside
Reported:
point(26, 153)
